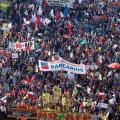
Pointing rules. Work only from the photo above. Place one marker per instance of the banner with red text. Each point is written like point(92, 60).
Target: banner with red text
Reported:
point(42, 115)
point(22, 46)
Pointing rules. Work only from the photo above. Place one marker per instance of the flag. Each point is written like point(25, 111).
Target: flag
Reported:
point(6, 87)
point(25, 21)
point(52, 13)
point(31, 95)
point(106, 117)
point(33, 19)
point(46, 21)
point(44, 65)
point(38, 20)
point(70, 28)
point(39, 12)
point(64, 99)
point(57, 15)
point(44, 3)
point(80, 1)
point(42, 20)
point(66, 11)
point(61, 14)
point(1, 52)
point(36, 68)
point(57, 92)
point(100, 77)
point(37, 45)
point(46, 98)
point(25, 97)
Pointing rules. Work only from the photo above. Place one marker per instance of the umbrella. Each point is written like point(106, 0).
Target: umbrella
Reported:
point(114, 65)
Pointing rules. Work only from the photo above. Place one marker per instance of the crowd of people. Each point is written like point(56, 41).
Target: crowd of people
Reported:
point(88, 33)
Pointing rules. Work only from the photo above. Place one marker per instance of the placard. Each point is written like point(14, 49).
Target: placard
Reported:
point(62, 3)
point(61, 65)
point(42, 115)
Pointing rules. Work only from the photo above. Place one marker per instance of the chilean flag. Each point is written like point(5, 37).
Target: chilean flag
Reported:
point(44, 65)
point(31, 95)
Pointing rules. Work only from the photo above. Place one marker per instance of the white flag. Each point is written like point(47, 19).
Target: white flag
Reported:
point(36, 68)
point(52, 13)
point(80, 1)
point(39, 12)
point(47, 21)
point(25, 21)
point(33, 19)
point(61, 14)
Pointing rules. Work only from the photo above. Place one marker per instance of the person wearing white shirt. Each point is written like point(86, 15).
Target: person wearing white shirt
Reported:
point(3, 111)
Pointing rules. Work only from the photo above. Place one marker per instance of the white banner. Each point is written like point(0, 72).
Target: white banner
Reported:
point(62, 65)
point(39, 2)
point(103, 105)
point(22, 46)
point(62, 3)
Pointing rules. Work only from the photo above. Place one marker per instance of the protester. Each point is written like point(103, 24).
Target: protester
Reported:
point(3, 111)
point(86, 34)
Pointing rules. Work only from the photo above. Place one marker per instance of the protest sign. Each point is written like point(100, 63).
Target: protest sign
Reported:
point(22, 46)
point(64, 100)
point(57, 92)
point(62, 116)
point(4, 71)
point(103, 105)
point(62, 3)
point(61, 65)
point(52, 100)
point(39, 2)
point(46, 98)
point(14, 55)
point(16, 112)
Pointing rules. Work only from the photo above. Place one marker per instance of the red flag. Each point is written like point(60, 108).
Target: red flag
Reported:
point(1, 52)
point(57, 15)
point(38, 20)
point(70, 28)
point(44, 3)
